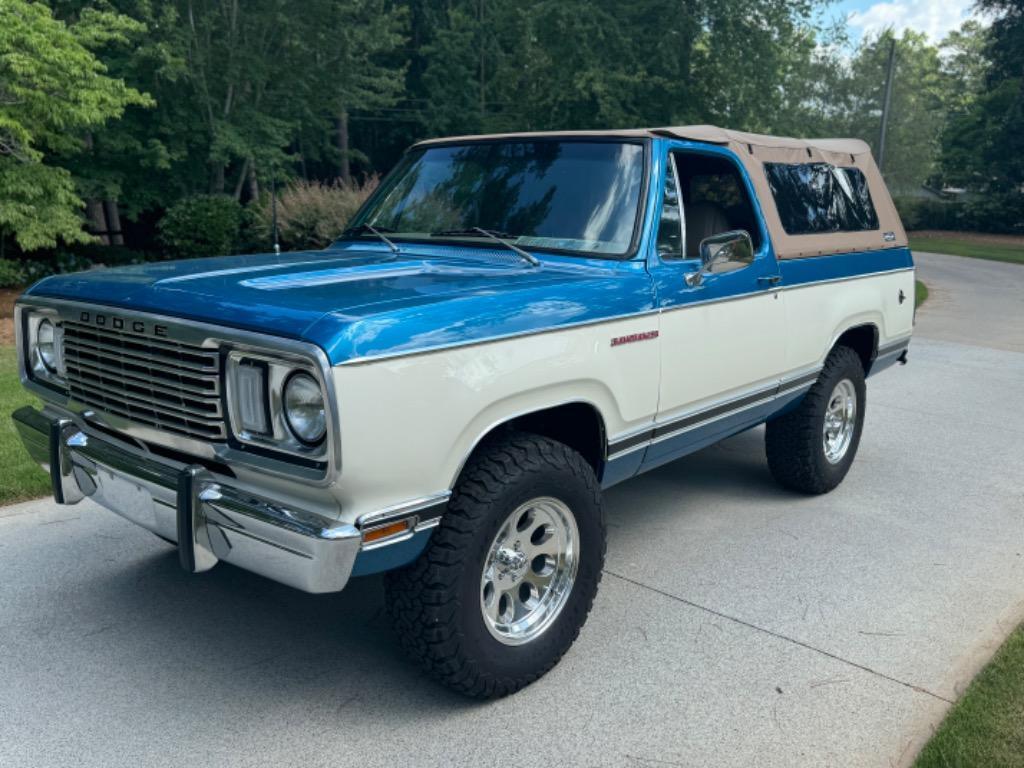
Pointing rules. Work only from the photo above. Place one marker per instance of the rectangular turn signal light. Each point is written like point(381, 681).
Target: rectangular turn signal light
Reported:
point(386, 531)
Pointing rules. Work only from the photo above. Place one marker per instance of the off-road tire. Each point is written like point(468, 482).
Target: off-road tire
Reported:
point(435, 602)
point(793, 442)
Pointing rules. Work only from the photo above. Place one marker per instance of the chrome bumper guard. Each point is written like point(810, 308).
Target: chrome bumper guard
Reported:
point(209, 520)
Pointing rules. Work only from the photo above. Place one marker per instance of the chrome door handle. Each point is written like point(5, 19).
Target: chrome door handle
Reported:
point(770, 279)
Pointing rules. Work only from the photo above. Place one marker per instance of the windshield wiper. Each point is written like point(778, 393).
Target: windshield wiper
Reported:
point(494, 235)
point(362, 229)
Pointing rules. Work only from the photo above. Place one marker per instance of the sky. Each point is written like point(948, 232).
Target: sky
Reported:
point(933, 17)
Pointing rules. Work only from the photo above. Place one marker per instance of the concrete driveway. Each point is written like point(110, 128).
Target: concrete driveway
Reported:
point(737, 624)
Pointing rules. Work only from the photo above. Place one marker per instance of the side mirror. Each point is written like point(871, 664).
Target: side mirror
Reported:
point(721, 253)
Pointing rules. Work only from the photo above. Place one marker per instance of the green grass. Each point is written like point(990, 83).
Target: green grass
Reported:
point(1009, 252)
point(986, 727)
point(920, 293)
point(20, 477)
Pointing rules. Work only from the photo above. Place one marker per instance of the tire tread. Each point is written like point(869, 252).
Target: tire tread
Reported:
point(423, 598)
point(793, 440)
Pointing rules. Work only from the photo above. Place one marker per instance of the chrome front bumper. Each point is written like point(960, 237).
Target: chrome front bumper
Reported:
point(210, 520)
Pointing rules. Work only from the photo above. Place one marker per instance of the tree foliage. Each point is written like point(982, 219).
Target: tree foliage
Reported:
point(984, 142)
point(240, 94)
point(257, 73)
point(52, 89)
point(917, 109)
point(202, 225)
point(311, 214)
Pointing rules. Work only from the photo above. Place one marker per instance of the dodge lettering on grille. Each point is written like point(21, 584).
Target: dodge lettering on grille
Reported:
point(121, 324)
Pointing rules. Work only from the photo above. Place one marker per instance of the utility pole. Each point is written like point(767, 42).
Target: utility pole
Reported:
point(885, 104)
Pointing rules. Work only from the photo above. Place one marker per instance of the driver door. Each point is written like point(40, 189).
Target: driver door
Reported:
point(722, 332)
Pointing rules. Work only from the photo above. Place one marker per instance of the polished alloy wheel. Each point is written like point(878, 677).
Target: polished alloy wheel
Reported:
point(529, 571)
point(840, 421)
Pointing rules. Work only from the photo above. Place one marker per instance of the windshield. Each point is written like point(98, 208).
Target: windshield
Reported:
point(581, 196)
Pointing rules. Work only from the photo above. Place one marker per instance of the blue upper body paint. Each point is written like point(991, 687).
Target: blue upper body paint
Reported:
point(356, 299)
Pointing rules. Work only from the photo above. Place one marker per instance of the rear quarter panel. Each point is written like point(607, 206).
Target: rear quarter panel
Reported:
point(827, 295)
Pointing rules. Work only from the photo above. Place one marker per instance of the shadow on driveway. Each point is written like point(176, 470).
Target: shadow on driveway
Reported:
point(228, 633)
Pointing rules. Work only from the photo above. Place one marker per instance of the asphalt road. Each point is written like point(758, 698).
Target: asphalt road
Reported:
point(972, 301)
point(737, 624)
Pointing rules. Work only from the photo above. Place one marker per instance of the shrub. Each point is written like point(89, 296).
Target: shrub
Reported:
point(996, 213)
point(202, 225)
point(988, 212)
point(12, 274)
point(33, 270)
point(311, 214)
point(81, 256)
point(16, 274)
point(918, 213)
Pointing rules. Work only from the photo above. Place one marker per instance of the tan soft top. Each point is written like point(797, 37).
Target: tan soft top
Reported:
point(754, 150)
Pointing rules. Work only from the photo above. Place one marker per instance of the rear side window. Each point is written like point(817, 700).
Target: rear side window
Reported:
point(815, 198)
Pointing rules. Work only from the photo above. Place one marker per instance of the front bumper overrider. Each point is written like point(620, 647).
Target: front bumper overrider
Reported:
point(211, 521)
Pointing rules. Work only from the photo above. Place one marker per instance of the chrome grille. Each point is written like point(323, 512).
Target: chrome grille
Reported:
point(156, 382)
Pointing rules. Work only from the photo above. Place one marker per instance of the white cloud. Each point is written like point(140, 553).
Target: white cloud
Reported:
point(935, 18)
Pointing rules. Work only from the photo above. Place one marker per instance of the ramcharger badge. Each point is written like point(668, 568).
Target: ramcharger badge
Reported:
point(629, 339)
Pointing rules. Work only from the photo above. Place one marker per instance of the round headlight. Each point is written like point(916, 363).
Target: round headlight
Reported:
point(304, 408)
point(46, 345)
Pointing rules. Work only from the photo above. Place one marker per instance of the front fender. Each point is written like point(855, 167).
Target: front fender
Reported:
point(408, 424)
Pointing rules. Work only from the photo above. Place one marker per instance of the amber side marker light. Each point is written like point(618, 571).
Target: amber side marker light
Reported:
point(386, 531)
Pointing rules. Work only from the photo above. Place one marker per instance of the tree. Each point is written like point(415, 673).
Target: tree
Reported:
point(354, 51)
point(983, 145)
point(555, 65)
point(136, 163)
point(965, 64)
point(335, 88)
point(264, 72)
point(561, 64)
point(918, 106)
point(53, 90)
point(452, 77)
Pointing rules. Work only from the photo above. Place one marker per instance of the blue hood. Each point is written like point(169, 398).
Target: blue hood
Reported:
point(358, 300)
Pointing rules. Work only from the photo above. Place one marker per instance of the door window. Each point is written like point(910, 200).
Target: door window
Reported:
point(715, 200)
point(704, 196)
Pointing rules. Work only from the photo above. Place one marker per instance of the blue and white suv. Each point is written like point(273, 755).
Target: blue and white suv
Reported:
point(511, 324)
